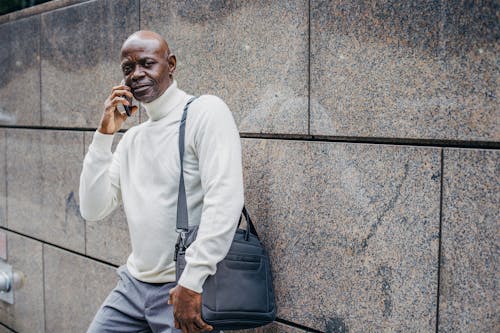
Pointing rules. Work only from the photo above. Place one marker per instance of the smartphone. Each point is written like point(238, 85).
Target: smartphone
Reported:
point(127, 109)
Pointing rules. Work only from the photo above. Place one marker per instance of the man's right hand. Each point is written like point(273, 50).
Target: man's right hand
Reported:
point(187, 310)
point(112, 120)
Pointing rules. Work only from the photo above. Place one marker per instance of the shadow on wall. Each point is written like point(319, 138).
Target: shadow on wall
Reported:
point(9, 6)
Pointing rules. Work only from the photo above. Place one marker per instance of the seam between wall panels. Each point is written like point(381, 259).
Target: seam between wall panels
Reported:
point(309, 70)
point(438, 291)
point(476, 144)
point(7, 327)
point(43, 290)
point(40, 116)
point(441, 54)
point(60, 247)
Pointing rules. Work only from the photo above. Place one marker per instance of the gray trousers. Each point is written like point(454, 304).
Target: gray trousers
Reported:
point(135, 306)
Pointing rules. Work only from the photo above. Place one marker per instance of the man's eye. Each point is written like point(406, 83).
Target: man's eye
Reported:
point(126, 69)
point(149, 64)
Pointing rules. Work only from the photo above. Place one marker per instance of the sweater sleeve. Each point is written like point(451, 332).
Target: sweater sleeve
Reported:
point(217, 144)
point(99, 181)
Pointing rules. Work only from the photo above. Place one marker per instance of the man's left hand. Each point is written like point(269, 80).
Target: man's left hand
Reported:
point(187, 310)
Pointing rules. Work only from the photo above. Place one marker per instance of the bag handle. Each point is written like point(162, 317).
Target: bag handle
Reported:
point(182, 212)
point(250, 227)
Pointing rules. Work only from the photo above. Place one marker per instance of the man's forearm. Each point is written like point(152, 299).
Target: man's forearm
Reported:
point(99, 195)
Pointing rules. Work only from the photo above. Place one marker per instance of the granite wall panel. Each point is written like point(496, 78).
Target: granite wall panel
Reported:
point(80, 59)
point(20, 72)
point(75, 287)
point(352, 230)
point(3, 178)
point(27, 312)
point(253, 54)
point(470, 262)
point(470, 34)
point(108, 239)
point(43, 170)
point(4, 329)
point(401, 69)
point(274, 327)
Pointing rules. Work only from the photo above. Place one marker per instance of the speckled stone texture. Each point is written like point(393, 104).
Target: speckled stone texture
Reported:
point(81, 59)
point(27, 312)
point(274, 327)
point(20, 83)
point(352, 230)
point(43, 170)
point(75, 287)
point(108, 239)
point(471, 32)
point(470, 263)
point(253, 54)
point(3, 178)
point(404, 69)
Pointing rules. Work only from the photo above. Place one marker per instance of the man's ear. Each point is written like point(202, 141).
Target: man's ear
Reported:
point(172, 62)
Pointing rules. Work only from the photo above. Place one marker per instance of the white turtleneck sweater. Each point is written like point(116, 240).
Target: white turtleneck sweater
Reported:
point(143, 173)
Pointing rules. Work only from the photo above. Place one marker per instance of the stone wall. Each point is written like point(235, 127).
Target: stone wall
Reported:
point(370, 134)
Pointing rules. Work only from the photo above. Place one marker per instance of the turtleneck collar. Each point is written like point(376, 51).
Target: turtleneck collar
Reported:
point(162, 106)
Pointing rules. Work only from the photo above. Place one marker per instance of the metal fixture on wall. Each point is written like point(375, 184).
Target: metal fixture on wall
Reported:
point(10, 280)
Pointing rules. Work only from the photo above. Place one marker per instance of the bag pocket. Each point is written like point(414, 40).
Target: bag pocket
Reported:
point(245, 274)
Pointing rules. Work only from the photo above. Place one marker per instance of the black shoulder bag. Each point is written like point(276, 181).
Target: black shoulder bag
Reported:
point(240, 294)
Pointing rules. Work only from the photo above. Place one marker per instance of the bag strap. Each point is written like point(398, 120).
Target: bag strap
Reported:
point(182, 212)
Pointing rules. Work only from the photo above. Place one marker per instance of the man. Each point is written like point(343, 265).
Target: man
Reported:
point(143, 173)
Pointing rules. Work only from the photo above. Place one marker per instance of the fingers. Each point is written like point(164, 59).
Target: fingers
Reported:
point(111, 105)
point(122, 116)
point(191, 328)
point(119, 95)
point(202, 325)
point(119, 100)
point(121, 92)
point(135, 108)
point(196, 325)
point(184, 329)
point(120, 87)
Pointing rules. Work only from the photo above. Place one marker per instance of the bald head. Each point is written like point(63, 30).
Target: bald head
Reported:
point(146, 35)
point(147, 65)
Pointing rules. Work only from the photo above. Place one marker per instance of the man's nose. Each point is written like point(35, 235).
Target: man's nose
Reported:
point(138, 73)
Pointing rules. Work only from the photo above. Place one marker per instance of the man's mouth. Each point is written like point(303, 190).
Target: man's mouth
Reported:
point(140, 87)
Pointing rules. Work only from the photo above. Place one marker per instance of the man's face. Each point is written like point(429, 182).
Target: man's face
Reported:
point(146, 68)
